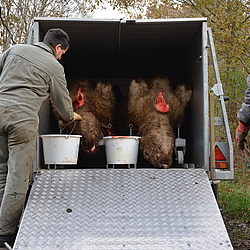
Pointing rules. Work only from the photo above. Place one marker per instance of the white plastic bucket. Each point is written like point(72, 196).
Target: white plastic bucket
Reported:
point(61, 149)
point(121, 149)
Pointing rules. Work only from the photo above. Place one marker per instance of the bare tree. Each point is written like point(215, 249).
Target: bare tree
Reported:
point(17, 16)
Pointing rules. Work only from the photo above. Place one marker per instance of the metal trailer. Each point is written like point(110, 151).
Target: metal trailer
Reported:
point(90, 207)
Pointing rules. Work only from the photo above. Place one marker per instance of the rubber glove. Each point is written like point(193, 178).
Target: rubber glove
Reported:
point(241, 133)
point(77, 117)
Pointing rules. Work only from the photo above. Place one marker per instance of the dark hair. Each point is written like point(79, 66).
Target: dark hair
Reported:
point(57, 36)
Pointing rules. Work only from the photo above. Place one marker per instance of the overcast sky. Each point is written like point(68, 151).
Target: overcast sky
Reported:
point(108, 13)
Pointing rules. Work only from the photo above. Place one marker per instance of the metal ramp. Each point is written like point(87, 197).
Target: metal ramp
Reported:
point(108, 209)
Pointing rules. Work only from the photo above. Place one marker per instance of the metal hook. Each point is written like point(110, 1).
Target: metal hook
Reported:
point(130, 129)
point(178, 127)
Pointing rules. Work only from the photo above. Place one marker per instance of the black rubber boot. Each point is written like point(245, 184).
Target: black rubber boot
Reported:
point(10, 239)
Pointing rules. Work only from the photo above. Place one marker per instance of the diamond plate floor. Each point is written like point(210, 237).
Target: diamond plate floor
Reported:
point(122, 209)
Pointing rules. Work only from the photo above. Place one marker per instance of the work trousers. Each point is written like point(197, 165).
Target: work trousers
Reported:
point(18, 129)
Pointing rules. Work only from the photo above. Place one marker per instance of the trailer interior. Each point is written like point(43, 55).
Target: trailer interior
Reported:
point(121, 50)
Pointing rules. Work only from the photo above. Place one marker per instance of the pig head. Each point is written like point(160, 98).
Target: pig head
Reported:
point(155, 109)
point(95, 104)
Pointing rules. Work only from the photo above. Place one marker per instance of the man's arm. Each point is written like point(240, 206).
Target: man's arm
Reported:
point(60, 96)
point(3, 58)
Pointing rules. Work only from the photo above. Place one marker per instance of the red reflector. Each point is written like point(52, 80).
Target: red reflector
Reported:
point(218, 154)
point(220, 159)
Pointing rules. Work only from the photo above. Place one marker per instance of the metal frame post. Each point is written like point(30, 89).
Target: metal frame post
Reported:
point(212, 135)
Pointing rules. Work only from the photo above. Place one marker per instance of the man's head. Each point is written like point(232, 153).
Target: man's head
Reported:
point(59, 40)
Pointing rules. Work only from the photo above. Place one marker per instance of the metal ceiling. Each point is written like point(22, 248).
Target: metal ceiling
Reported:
point(124, 48)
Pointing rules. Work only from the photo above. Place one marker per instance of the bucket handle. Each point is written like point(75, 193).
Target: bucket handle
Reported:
point(62, 126)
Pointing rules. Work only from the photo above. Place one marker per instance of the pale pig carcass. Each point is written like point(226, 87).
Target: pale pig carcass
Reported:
point(95, 104)
point(155, 109)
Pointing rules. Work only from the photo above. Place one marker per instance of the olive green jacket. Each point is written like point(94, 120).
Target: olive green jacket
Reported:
point(28, 74)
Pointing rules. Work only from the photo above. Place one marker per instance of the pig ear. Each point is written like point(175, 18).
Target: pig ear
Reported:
point(80, 99)
point(161, 104)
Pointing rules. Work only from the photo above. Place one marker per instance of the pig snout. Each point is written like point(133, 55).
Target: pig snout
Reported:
point(158, 152)
point(90, 149)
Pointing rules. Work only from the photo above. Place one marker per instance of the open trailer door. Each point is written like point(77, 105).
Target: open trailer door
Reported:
point(221, 153)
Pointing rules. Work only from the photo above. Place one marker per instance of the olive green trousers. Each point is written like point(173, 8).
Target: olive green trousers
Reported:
point(18, 130)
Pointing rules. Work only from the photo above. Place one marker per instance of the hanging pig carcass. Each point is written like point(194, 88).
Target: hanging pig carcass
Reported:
point(155, 109)
point(95, 104)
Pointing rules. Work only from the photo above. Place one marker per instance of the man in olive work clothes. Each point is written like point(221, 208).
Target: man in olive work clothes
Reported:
point(28, 75)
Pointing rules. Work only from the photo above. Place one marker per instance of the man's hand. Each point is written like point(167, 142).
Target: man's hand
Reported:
point(241, 133)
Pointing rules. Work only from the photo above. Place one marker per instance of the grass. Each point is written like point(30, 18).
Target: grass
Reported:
point(234, 200)
point(234, 196)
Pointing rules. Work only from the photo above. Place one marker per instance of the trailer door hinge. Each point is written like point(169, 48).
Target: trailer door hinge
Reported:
point(217, 89)
point(130, 22)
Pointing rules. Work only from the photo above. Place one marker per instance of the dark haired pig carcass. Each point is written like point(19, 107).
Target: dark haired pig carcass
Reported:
point(95, 104)
point(155, 109)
